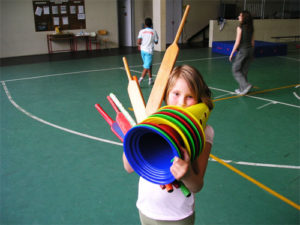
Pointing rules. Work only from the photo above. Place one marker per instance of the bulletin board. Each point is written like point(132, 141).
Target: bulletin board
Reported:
point(65, 14)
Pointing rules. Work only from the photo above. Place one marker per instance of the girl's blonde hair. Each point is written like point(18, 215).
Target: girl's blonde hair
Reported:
point(195, 82)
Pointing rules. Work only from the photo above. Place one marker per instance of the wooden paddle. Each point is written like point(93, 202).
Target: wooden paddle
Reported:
point(158, 90)
point(122, 109)
point(135, 95)
point(113, 124)
point(120, 118)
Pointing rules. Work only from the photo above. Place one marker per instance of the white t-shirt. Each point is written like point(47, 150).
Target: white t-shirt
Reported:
point(149, 37)
point(159, 204)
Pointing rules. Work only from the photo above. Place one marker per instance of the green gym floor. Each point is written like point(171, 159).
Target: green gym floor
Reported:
point(61, 164)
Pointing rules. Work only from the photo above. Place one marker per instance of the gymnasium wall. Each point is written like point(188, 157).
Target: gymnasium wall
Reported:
point(142, 10)
point(201, 12)
point(264, 30)
point(18, 36)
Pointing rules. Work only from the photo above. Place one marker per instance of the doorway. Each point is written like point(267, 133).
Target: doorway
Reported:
point(173, 9)
point(125, 23)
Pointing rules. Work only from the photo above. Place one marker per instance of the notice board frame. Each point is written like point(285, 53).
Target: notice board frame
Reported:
point(65, 14)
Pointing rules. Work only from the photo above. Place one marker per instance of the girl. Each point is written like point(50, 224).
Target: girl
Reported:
point(244, 44)
point(185, 87)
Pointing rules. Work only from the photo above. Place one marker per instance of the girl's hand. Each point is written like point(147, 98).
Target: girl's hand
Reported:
point(181, 167)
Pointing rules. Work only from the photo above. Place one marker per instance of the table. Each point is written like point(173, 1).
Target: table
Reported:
point(60, 37)
point(73, 41)
point(86, 38)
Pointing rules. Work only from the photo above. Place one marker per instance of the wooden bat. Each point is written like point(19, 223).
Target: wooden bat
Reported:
point(135, 95)
point(122, 109)
point(120, 118)
point(158, 90)
point(113, 124)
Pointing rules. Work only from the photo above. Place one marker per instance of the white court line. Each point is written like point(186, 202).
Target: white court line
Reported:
point(98, 70)
point(285, 57)
point(295, 94)
point(265, 105)
point(51, 124)
point(259, 164)
point(120, 144)
point(259, 98)
point(117, 143)
point(192, 60)
point(188, 60)
point(61, 74)
point(232, 93)
point(138, 72)
point(220, 96)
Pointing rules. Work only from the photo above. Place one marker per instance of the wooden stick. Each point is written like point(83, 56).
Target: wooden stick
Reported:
point(159, 87)
point(135, 95)
point(122, 109)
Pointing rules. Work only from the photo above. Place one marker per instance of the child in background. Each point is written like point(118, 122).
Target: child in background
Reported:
point(244, 44)
point(185, 88)
point(146, 39)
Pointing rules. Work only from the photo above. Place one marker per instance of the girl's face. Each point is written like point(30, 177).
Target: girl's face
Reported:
point(181, 95)
point(241, 17)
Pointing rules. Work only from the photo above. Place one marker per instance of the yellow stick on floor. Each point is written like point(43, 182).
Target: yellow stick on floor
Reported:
point(256, 182)
point(256, 92)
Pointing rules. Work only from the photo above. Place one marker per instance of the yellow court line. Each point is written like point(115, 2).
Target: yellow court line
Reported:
point(291, 203)
point(256, 92)
point(256, 182)
point(245, 175)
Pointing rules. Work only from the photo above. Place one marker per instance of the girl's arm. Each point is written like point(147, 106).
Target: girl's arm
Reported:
point(192, 175)
point(139, 42)
point(126, 164)
point(237, 42)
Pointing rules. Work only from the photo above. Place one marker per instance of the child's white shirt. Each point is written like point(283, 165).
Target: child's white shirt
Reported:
point(149, 37)
point(158, 204)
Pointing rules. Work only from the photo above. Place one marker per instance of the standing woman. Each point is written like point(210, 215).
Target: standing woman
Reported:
point(244, 45)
